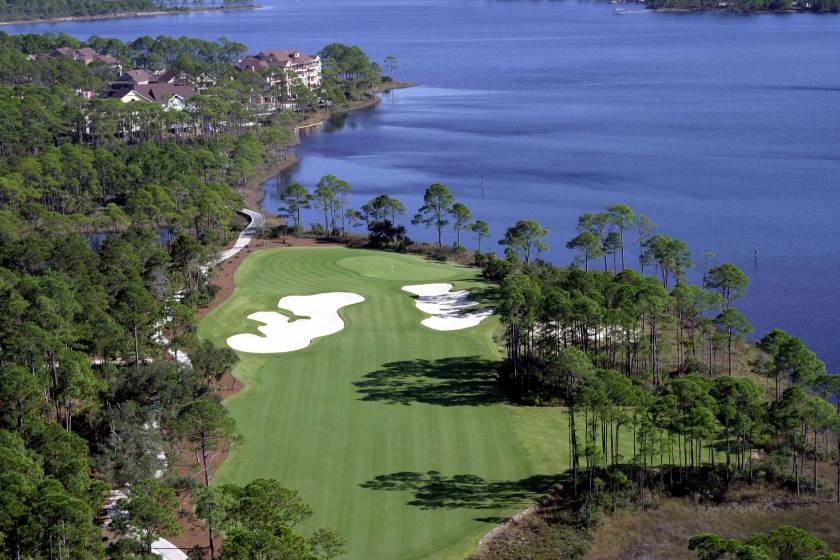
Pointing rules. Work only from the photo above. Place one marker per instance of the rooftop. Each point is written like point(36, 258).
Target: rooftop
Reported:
point(156, 93)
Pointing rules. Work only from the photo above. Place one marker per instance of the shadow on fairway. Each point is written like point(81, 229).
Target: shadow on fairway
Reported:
point(433, 490)
point(467, 381)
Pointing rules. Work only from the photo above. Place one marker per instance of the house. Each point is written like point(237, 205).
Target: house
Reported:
point(135, 77)
point(63, 52)
point(168, 88)
point(169, 96)
point(166, 77)
point(110, 61)
point(303, 67)
point(86, 55)
point(199, 82)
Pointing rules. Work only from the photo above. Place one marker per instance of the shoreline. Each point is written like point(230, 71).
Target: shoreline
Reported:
point(724, 10)
point(253, 193)
point(125, 15)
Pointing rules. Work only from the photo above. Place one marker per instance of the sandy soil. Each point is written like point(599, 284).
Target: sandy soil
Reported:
point(663, 533)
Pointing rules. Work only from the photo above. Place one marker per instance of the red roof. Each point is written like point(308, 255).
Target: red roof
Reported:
point(274, 59)
point(290, 56)
point(137, 76)
point(64, 51)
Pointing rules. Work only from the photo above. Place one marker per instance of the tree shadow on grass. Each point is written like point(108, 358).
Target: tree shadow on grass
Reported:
point(432, 490)
point(464, 381)
point(486, 295)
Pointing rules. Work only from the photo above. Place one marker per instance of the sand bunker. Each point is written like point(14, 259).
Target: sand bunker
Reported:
point(450, 311)
point(320, 318)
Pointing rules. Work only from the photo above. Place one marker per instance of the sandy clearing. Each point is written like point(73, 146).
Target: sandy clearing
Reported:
point(450, 311)
point(281, 335)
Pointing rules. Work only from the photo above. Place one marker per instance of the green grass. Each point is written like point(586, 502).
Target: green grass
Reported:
point(394, 433)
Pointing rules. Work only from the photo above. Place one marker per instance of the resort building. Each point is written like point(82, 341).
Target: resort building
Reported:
point(170, 89)
point(297, 66)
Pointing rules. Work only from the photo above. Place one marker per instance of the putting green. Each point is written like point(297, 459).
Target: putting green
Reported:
point(392, 432)
point(396, 267)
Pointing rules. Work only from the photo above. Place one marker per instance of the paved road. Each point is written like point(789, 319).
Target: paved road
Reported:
point(257, 221)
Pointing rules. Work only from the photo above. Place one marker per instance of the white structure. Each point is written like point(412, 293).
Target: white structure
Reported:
point(257, 221)
point(298, 66)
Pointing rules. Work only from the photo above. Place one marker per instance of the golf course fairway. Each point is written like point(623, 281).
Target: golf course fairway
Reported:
point(392, 432)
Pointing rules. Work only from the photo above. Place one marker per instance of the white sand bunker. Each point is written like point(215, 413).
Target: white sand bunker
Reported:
point(450, 311)
point(281, 335)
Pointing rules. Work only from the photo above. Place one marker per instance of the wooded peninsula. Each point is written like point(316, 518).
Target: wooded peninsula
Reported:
point(60, 10)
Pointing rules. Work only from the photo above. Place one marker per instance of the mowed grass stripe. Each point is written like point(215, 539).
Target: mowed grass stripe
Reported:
point(328, 420)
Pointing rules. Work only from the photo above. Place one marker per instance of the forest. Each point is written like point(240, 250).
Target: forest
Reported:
point(91, 401)
point(662, 395)
point(656, 353)
point(23, 10)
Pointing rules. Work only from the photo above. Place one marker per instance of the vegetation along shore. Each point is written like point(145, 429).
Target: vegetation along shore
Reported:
point(253, 192)
point(744, 6)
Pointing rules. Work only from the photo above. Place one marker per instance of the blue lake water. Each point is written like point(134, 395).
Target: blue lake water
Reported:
point(723, 128)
